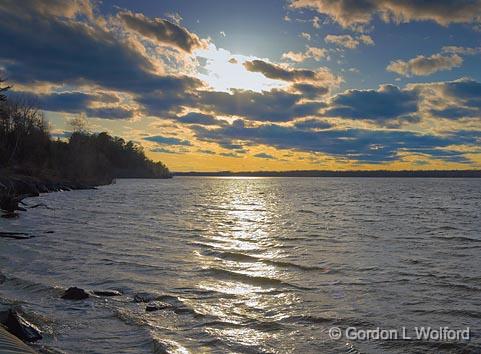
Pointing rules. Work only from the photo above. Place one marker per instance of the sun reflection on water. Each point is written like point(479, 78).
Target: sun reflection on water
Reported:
point(241, 247)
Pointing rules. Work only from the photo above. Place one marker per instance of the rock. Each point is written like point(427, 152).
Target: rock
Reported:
point(21, 328)
point(107, 293)
point(75, 293)
point(156, 306)
point(144, 297)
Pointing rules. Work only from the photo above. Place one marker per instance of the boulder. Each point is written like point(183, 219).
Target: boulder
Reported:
point(75, 293)
point(21, 328)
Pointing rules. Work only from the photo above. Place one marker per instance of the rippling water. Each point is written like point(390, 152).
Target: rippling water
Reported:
point(250, 264)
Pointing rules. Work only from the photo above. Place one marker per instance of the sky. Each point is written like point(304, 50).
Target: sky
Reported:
point(208, 85)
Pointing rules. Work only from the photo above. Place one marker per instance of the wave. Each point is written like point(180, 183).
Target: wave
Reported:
point(457, 238)
point(242, 257)
point(251, 279)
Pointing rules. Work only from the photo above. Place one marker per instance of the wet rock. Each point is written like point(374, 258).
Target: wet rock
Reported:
point(156, 306)
point(75, 293)
point(107, 293)
point(21, 328)
point(145, 297)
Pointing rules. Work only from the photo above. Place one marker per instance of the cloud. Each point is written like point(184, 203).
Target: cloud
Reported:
point(159, 139)
point(200, 118)
point(351, 13)
point(165, 151)
point(387, 103)
point(347, 41)
point(306, 36)
point(457, 99)
point(263, 155)
point(59, 8)
point(363, 145)
point(75, 51)
point(274, 105)
point(423, 66)
point(109, 113)
point(310, 91)
point(161, 31)
point(207, 152)
point(364, 38)
point(278, 72)
point(229, 154)
point(311, 52)
point(312, 124)
point(75, 102)
point(462, 50)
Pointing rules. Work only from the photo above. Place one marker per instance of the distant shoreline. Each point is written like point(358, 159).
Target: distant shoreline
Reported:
point(321, 173)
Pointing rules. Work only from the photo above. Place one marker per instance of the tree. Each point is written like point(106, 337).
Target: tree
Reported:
point(79, 124)
point(3, 90)
point(26, 148)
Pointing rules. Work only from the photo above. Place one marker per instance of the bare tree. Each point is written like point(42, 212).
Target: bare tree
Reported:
point(79, 124)
point(3, 89)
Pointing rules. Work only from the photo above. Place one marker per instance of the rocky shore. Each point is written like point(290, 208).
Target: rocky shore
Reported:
point(14, 188)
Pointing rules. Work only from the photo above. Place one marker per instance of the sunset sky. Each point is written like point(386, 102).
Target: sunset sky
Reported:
point(208, 85)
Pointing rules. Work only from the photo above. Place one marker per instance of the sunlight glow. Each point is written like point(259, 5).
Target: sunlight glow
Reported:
point(223, 71)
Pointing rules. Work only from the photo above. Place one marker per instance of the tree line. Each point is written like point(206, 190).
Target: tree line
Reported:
point(27, 148)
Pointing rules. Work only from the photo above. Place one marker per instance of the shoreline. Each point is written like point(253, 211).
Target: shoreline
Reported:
point(16, 187)
point(343, 174)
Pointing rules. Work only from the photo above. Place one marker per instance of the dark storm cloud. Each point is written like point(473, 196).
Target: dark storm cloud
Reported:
point(361, 12)
point(275, 105)
point(158, 139)
point(200, 118)
point(386, 103)
point(277, 72)
point(162, 31)
point(357, 144)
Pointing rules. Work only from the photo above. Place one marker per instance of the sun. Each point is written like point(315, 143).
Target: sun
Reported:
point(223, 71)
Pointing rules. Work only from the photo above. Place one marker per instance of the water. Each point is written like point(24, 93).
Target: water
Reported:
point(250, 265)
